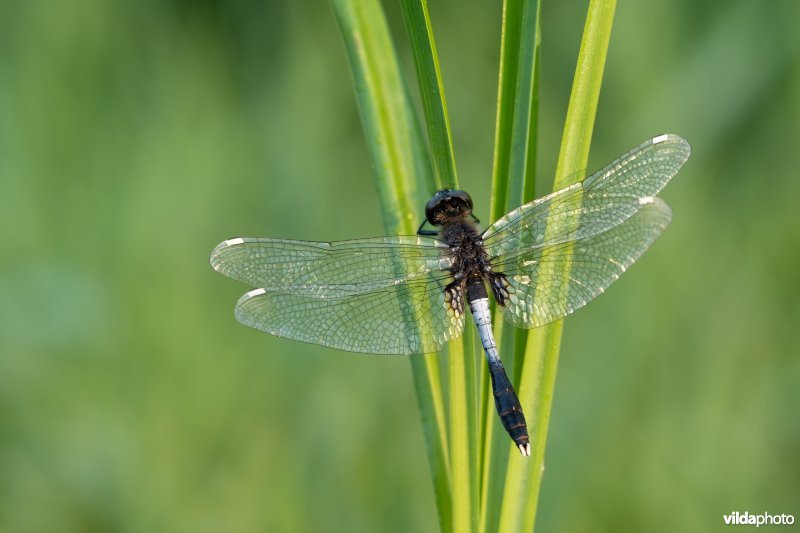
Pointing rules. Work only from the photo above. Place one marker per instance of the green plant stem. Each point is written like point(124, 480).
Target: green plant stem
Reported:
point(426, 60)
point(403, 180)
point(401, 164)
point(463, 420)
point(463, 435)
point(513, 180)
point(539, 370)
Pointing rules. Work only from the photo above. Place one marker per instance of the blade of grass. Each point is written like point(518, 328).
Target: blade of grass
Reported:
point(510, 48)
point(513, 173)
point(426, 60)
point(463, 434)
point(523, 481)
point(513, 180)
point(403, 180)
point(492, 451)
point(462, 382)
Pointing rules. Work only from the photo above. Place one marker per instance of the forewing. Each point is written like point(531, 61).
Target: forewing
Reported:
point(598, 203)
point(328, 269)
point(545, 284)
point(410, 317)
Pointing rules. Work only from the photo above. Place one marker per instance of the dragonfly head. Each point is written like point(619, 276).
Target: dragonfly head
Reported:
point(448, 205)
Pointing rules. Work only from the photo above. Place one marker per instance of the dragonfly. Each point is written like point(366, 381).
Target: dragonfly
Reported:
point(409, 294)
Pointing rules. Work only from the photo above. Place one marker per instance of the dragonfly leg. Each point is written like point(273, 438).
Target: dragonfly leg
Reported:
point(454, 296)
point(499, 285)
point(426, 232)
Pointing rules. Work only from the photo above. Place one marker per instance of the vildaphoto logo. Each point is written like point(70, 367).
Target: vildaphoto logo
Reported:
point(746, 519)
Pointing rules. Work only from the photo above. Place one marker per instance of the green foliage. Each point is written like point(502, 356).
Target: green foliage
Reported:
point(134, 136)
point(388, 122)
point(521, 493)
point(515, 158)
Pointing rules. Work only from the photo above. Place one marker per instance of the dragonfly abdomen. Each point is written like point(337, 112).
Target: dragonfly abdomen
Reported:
point(508, 407)
point(505, 398)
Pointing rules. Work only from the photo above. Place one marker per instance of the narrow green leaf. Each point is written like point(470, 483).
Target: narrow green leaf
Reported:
point(574, 153)
point(513, 183)
point(515, 138)
point(506, 91)
point(403, 179)
point(463, 433)
point(426, 60)
point(462, 383)
point(539, 369)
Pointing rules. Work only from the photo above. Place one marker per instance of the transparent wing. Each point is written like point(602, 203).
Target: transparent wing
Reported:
point(328, 269)
point(598, 203)
point(411, 317)
point(545, 284)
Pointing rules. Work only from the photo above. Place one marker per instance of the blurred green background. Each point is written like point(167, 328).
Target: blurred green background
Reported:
point(134, 136)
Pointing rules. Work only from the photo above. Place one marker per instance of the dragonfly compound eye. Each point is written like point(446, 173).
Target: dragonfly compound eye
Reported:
point(446, 204)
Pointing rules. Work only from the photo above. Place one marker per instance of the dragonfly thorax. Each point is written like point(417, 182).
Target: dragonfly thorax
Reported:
point(470, 260)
